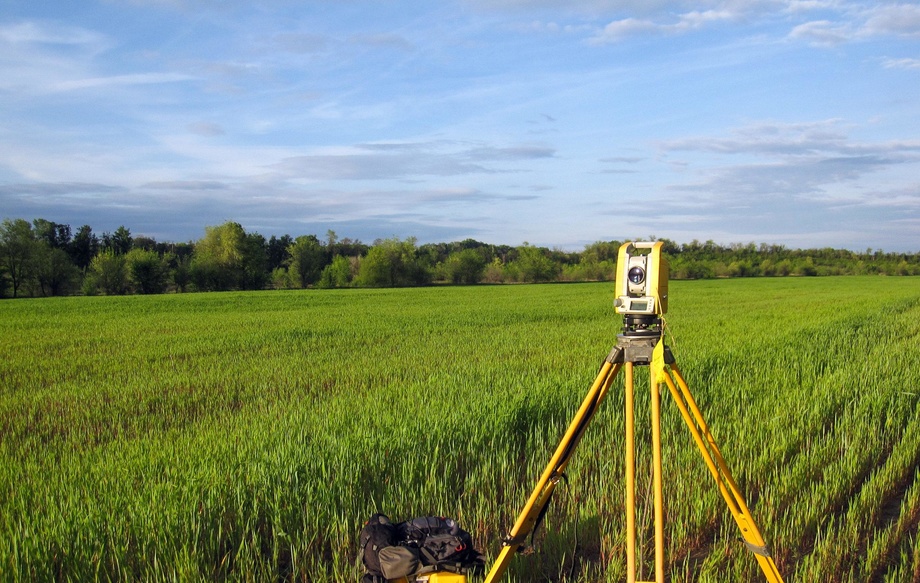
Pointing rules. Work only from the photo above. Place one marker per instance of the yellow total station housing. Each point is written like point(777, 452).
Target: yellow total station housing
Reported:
point(642, 279)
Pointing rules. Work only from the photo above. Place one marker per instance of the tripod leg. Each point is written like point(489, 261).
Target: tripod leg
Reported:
point(719, 470)
point(630, 476)
point(631, 551)
point(553, 472)
point(656, 474)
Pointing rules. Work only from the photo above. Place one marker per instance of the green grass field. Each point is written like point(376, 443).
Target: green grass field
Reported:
point(246, 436)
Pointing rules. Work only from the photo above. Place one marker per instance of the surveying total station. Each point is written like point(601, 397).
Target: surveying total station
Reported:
point(642, 298)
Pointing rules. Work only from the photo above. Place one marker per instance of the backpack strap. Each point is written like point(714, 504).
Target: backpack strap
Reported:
point(427, 569)
point(457, 568)
point(429, 557)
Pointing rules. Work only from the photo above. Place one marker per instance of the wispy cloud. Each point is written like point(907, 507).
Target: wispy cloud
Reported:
point(186, 185)
point(622, 159)
point(41, 189)
point(374, 166)
point(50, 34)
point(824, 137)
point(823, 33)
point(406, 161)
point(852, 23)
point(37, 55)
point(45, 57)
point(525, 152)
point(689, 21)
point(119, 80)
point(904, 63)
point(791, 162)
point(897, 19)
point(901, 199)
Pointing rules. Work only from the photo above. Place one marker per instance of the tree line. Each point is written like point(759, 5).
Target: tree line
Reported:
point(44, 258)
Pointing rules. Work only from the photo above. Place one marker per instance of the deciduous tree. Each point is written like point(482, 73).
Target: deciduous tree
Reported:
point(56, 235)
point(466, 266)
point(337, 274)
point(147, 271)
point(83, 247)
point(18, 247)
point(54, 271)
point(218, 257)
point(535, 266)
point(254, 271)
point(109, 273)
point(307, 260)
point(391, 263)
point(278, 255)
point(119, 242)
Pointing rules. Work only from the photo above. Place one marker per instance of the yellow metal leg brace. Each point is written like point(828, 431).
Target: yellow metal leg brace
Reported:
point(719, 470)
point(553, 472)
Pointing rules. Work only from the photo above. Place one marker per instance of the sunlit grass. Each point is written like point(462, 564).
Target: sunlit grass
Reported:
point(246, 436)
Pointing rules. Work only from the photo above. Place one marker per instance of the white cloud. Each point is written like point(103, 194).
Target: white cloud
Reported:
point(620, 29)
point(850, 24)
point(899, 19)
point(901, 63)
point(797, 6)
point(119, 80)
point(687, 22)
point(43, 33)
point(823, 33)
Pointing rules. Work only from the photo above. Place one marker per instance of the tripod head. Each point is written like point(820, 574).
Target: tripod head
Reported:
point(641, 288)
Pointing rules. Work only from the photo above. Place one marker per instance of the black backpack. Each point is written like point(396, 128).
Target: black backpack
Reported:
point(422, 545)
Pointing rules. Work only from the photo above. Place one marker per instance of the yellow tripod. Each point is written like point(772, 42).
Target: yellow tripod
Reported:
point(640, 348)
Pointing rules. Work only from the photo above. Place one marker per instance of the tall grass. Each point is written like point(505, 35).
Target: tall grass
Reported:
point(245, 437)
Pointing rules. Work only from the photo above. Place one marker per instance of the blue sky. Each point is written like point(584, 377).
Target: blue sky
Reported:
point(558, 123)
